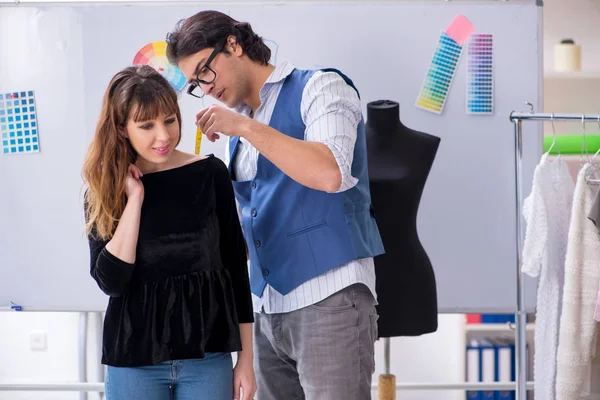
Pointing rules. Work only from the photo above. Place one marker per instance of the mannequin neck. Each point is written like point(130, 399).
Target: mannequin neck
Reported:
point(383, 116)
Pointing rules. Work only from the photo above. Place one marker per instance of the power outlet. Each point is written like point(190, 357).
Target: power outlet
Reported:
point(38, 341)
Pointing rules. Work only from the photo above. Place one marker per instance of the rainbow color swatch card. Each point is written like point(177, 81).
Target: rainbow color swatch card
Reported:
point(440, 75)
point(155, 55)
point(480, 74)
point(18, 123)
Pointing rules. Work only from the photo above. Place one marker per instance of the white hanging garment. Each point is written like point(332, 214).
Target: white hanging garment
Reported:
point(577, 333)
point(547, 212)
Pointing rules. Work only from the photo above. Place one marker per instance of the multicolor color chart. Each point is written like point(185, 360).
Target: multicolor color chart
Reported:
point(438, 80)
point(480, 78)
point(155, 55)
point(18, 123)
point(439, 77)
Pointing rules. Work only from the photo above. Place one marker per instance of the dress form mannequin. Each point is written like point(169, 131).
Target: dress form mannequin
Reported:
point(399, 160)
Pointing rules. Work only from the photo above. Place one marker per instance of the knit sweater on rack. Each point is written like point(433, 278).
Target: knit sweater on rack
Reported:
point(578, 361)
point(547, 212)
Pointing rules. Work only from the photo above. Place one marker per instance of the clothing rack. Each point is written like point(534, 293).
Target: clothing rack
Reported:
point(520, 317)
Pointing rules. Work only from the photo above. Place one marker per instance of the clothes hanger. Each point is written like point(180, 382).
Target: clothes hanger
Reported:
point(554, 136)
point(590, 173)
point(583, 144)
point(598, 151)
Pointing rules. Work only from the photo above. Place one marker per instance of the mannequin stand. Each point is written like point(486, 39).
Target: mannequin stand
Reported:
point(386, 388)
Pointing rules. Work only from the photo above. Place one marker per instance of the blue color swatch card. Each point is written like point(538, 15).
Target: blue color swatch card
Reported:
point(18, 123)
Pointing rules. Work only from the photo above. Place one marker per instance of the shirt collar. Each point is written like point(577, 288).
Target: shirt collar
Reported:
point(279, 74)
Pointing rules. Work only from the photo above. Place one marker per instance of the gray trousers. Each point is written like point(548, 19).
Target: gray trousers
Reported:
point(321, 352)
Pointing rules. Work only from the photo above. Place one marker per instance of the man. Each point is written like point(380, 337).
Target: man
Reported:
point(297, 156)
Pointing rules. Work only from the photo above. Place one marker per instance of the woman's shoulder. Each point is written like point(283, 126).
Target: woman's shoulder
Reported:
point(190, 158)
point(210, 160)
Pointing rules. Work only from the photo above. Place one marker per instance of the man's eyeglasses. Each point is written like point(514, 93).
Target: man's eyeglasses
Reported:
point(206, 75)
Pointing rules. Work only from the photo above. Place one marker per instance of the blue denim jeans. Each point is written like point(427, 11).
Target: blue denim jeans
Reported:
point(209, 378)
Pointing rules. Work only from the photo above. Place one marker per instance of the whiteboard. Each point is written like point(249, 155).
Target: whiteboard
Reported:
point(466, 222)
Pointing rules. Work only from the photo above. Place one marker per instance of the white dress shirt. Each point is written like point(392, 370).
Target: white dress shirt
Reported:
point(331, 112)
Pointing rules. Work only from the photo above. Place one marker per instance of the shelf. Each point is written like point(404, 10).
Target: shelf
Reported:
point(572, 75)
point(496, 331)
point(494, 328)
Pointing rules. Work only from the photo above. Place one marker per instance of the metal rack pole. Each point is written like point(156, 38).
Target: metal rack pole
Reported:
point(521, 116)
point(520, 316)
point(83, 327)
point(521, 321)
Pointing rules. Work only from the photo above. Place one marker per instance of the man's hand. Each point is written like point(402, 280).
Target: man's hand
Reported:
point(311, 164)
point(215, 119)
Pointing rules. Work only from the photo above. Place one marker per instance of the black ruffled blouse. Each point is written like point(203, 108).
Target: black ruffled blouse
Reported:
point(188, 290)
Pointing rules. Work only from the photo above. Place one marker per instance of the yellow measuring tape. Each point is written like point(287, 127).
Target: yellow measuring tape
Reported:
point(198, 140)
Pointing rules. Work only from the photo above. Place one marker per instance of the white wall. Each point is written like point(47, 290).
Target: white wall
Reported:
point(437, 357)
point(57, 364)
point(578, 20)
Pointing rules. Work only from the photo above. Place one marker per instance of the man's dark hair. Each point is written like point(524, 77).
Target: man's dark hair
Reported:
point(207, 29)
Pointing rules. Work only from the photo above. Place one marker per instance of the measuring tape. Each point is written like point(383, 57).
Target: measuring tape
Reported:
point(198, 140)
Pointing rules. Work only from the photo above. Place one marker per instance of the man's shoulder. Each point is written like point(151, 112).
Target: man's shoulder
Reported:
point(319, 72)
point(328, 77)
point(330, 80)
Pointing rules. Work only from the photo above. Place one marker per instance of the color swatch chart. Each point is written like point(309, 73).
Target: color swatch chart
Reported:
point(440, 74)
point(480, 79)
point(155, 55)
point(18, 123)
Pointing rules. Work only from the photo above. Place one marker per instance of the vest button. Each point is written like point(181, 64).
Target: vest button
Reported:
point(257, 243)
point(253, 185)
point(254, 213)
point(265, 272)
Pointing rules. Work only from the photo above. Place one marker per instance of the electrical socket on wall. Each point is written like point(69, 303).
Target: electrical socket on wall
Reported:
point(38, 341)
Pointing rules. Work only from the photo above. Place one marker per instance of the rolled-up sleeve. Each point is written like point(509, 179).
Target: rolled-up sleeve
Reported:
point(331, 112)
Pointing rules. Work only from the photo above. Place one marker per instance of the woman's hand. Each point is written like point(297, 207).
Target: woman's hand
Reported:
point(243, 377)
point(133, 185)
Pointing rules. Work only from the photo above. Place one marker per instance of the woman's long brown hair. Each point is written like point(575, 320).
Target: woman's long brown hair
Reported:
point(140, 93)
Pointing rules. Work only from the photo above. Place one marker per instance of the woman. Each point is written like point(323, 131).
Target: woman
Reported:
point(167, 247)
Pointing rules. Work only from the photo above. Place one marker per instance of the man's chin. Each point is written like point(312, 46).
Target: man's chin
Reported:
point(232, 104)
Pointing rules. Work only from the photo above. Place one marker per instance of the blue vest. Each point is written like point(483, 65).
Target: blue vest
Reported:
point(295, 233)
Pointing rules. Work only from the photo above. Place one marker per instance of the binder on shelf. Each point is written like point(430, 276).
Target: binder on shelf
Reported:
point(497, 318)
point(480, 365)
point(505, 358)
point(472, 369)
point(473, 318)
point(488, 366)
point(493, 360)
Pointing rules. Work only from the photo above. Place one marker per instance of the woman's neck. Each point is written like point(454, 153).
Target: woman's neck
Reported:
point(176, 159)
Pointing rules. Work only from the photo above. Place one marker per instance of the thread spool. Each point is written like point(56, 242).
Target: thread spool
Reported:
point(567, 56)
